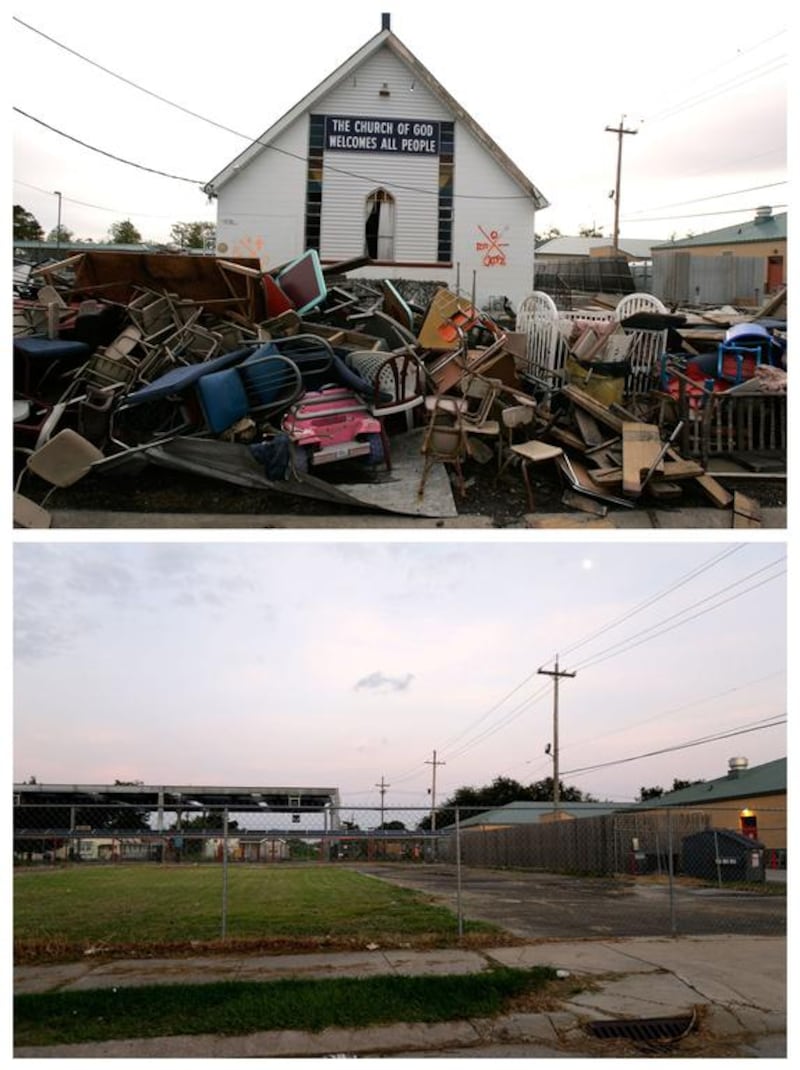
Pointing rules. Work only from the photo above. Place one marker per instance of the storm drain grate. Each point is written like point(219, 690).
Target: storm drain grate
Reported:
point(642, 1028)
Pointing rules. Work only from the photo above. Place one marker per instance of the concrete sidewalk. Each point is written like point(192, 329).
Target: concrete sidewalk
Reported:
point(693, 519)
point(736, 985)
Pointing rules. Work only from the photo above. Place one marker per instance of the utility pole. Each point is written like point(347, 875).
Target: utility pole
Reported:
point(382, 786)
point(619, 131)
point(434, 763)
point(58, 224)
point(556, 674)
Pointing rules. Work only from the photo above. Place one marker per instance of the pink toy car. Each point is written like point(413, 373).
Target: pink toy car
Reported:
point(334, 424)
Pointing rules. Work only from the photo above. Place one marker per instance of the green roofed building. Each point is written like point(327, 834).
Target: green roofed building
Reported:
point(748, 800)
point(740, 264)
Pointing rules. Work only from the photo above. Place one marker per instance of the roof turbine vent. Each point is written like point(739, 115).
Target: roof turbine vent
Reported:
point(736, 766)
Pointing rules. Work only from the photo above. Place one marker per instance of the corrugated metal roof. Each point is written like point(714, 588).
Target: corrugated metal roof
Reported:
point(767, 779)
point(570, 246)
point(529, 813)
point(767, 228)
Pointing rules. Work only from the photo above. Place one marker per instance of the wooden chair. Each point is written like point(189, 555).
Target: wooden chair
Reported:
point(512, 417)
point(534, 452)
point(445, 441)
point(397, 382)
point(481, 394)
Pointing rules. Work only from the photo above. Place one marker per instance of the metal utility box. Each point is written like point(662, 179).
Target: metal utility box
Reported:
point(722, 855)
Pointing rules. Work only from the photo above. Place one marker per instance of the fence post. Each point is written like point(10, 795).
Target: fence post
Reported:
point(224, 923)
point(673, 927)
point(458, 876)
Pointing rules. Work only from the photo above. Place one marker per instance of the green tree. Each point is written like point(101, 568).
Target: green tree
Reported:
point(192, 235)
point(124, 233)
point(501, 792)
point(60, 234)
point(26, 226)
point(678, 784)
point(553, 232)
point(542, 791)
point(650, 793)
point(208, 821)
point(590, 232)
point(657, 792)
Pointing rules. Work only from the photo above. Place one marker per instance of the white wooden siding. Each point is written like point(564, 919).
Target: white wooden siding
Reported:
point(262, 210)
point(411, 180)
point(488, 201)
point(360, 93)
point(348, 178)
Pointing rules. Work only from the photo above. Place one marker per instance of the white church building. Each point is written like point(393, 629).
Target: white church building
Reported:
point(379, 161)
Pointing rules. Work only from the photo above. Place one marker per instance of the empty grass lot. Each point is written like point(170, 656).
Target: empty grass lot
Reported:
point(148, 909)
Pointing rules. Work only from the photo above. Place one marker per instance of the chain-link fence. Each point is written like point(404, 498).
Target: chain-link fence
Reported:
point(536, 871)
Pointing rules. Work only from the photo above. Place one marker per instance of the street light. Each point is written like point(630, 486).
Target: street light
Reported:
point(58, 224)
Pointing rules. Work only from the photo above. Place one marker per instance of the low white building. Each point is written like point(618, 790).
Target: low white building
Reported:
point(380, 161)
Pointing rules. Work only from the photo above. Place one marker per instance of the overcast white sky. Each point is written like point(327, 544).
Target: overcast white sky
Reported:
point(703, 83)
point(336, 664)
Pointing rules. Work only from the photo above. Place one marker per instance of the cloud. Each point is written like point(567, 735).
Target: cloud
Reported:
point(378, 682)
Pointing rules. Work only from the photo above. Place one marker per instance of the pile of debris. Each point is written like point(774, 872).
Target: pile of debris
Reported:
point(310, 381)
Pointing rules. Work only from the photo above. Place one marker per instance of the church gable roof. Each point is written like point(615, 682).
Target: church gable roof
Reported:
point(384, 39)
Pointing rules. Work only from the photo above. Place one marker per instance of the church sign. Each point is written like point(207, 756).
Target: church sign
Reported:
point(369, 133)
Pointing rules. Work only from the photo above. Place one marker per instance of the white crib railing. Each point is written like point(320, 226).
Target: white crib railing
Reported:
point(545, 328)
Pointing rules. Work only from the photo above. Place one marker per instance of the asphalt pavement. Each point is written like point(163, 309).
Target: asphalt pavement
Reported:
point(728, 991)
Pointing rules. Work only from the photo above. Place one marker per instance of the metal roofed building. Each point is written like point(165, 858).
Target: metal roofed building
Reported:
point(746, 798)
point(765, 227)
point(737, 264)
point(532, 813)
point(566, 246)
point(740, 783)
point(65, 799)
point(379, 161)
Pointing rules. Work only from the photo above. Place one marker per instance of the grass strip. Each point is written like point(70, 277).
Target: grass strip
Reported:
point(73, 909)
point(233, 1008)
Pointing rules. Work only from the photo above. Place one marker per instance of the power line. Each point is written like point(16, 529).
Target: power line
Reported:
point(454, 739)
point(713, 197)
point(87, 204)
point(700, 215)
point(127, 81)
point(110, 155)
point(493, 729)
point(624, 645)
point(627, 644)
point(632, 642)
point(732, 59)
point(725, 87)
point(432, 192)
point(676, 747)
point(669, 589)
point(517, 710)
point(670, 712)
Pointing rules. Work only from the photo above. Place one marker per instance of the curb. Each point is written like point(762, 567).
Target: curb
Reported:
point(543, 1035)
point(548, 1030)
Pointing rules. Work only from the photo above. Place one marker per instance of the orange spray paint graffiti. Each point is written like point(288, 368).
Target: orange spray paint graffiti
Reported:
point(251, 247)
point(492, 248)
